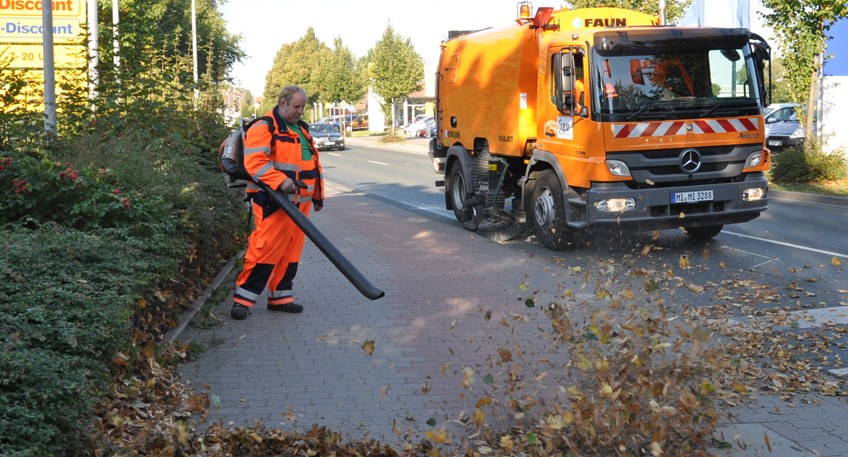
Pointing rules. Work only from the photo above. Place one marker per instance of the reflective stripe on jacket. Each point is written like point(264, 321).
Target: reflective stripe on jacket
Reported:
point(272, 157)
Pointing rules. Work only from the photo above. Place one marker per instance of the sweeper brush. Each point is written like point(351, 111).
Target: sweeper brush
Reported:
point(499, 228)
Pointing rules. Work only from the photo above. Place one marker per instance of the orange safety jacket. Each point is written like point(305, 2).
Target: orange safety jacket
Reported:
point(273, 154)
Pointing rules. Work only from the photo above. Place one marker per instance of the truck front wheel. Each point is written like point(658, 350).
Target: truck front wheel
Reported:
point(548, 211)
point(457, 192)
point(703, 233)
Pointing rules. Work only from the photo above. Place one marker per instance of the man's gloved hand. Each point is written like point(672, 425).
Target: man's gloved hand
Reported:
point(318, 205)
point(287, 186)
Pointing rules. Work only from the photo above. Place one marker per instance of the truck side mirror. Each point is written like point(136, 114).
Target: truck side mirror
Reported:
point(565, 82)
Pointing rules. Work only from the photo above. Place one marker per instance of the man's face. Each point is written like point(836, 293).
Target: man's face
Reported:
point(292, 110)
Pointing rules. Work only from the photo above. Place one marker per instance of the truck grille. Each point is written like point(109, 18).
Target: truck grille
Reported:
point(661, 167)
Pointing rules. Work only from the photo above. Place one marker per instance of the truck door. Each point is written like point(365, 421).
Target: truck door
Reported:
point(568, 130)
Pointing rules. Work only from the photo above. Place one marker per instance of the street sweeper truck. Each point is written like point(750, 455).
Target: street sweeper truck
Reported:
point(571, 119)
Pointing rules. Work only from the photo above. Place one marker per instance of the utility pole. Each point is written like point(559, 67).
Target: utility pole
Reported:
point(662, 12)
point(116, 15)
point(93, 51)
point(194, 48)
point(49, 70)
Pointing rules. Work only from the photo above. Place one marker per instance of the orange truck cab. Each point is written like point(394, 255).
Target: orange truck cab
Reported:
point(601, 117)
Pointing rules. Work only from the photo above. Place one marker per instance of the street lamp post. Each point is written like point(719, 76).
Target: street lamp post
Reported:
point(194, 48)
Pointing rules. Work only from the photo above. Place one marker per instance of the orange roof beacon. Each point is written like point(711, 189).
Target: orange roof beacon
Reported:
point(571, 119)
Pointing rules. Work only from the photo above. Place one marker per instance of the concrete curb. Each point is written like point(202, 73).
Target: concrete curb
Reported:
point(808, 198)
point(187, 316)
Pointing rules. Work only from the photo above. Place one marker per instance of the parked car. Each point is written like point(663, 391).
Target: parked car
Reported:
point(786, 134)
point(777, 112)
point(418, 117)
point(326, 137)
point(413, 128)
point(348, 119)
point(360, 123)
point(429, 125)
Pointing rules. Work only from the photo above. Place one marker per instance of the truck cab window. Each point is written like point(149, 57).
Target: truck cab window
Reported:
point(654, 77)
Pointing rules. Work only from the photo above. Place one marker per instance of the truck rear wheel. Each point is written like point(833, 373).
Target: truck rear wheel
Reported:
point(703, 233)
point(458, 194)
point(548, 211)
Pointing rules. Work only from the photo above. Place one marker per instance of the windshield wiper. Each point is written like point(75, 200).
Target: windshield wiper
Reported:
point(707, 112)
point(641, 110)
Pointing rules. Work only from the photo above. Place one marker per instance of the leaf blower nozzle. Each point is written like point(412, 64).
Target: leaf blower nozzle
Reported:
point(324, 245)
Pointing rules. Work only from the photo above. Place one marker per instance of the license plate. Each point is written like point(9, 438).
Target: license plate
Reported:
point(692, 197)
point(774, 143)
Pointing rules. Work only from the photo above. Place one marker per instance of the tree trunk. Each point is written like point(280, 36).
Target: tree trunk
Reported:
point(811, 108)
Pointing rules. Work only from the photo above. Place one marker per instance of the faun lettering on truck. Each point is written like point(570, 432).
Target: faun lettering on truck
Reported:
point(611, 118)
point(605, 22)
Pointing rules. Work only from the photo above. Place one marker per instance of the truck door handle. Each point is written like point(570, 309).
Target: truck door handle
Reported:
point(550, 134)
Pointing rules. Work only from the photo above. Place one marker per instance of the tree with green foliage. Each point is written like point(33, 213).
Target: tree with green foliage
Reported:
point(801, 28)
point(246, 110)
point(166, 24)
point(296, 63)
point(340, 76)
point(780, 92)
point(396, 70)
point(674, 9)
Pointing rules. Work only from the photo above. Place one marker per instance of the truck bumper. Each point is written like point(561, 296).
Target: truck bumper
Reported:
point(654, 210)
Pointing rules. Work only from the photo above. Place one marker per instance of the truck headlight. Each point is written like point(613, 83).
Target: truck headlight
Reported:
point(438, 165)
point(750, 195)
point(618, 168)
point(616, 205)
point(754, 159)
point(798, 133)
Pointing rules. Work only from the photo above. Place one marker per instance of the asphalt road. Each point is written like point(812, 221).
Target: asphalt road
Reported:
point(787, 257)
point(791, 246)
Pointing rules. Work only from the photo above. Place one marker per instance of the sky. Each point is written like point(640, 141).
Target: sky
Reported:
point(267, 25)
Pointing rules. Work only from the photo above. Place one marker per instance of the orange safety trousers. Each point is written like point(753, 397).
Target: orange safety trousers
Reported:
point(273, 253)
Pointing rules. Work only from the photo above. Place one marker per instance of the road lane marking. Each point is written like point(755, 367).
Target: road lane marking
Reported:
point(796, 246)
point(334, 154)
point(378, 163)
point(770, 259)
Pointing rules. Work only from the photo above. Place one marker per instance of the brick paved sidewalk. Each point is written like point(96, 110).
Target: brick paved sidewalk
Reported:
point(313, 364)
point(292, 371)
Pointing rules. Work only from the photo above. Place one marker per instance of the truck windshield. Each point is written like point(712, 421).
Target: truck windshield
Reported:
point(649, 74)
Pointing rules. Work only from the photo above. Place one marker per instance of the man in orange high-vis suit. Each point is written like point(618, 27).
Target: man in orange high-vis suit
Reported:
point(278, 151)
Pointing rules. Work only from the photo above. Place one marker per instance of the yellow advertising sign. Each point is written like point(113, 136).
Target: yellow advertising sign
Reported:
point(30, 56)
point(32, 8)
point(31, 30)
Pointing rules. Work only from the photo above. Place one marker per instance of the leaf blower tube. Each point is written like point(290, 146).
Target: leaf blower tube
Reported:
point(344, 266)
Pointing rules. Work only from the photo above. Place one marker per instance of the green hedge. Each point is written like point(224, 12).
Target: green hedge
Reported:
point(66, 298)
point(806, 165)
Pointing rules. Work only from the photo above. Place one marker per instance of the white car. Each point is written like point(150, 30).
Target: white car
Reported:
point(777, 112)
point(413, 128)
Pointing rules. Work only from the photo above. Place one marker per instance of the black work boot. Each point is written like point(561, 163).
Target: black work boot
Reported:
point(239, 312)
point(287, 308)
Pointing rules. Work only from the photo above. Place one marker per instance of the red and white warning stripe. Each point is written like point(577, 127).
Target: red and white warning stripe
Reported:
point(646, 129)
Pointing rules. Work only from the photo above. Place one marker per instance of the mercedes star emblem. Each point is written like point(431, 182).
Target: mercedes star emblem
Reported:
point(690, 161)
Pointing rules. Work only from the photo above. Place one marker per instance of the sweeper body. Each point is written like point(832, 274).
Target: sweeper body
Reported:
point(601, 117)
